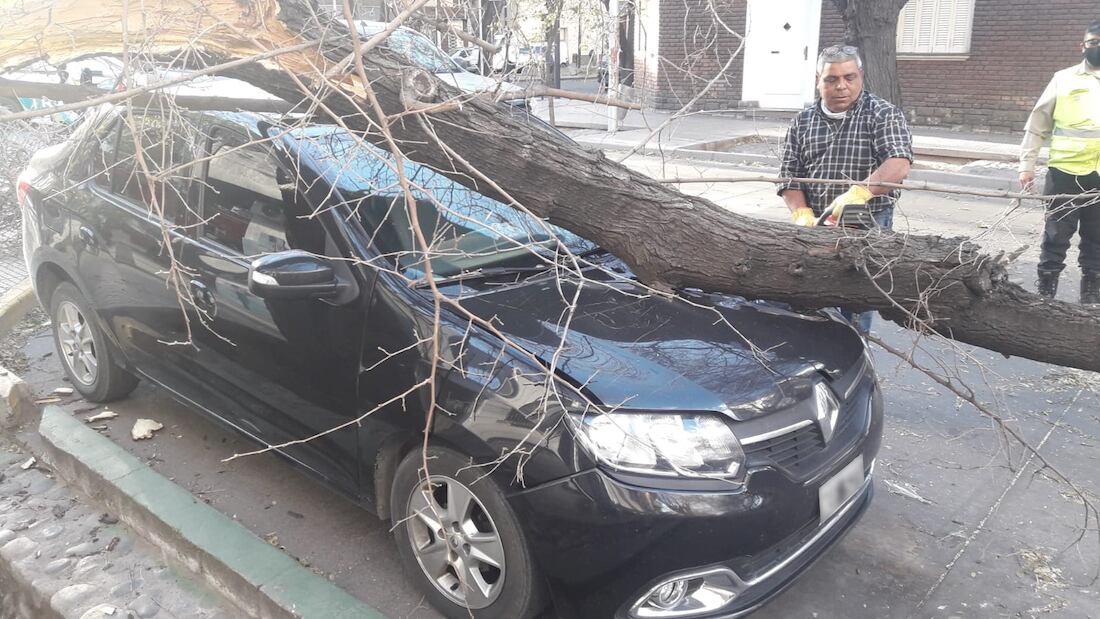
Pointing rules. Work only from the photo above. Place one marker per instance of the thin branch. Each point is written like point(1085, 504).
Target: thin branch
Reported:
point(913, 185)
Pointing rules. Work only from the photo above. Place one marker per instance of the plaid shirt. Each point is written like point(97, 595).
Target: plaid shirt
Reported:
point(852, 148)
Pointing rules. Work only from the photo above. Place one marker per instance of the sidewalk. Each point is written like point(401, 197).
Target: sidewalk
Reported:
point(738, 137)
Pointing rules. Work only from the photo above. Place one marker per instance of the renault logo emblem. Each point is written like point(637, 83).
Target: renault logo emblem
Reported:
point(826, 409)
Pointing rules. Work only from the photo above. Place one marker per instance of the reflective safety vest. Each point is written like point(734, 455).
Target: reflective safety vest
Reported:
point(1075, 143)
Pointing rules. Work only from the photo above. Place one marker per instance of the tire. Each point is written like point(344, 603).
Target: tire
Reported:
point(82, 348)
point(515, 589)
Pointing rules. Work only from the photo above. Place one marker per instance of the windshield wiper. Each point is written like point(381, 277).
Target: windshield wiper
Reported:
point(482, 274)
point(589, 253)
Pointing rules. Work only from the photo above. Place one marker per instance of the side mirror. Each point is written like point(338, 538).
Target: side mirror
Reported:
point(466, 65)
point(292, 274)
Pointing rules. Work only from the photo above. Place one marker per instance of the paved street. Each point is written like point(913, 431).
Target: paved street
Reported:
point(963, 524)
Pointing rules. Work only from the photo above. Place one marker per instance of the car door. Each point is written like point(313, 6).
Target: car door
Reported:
point(128, 226)
point(283, 370)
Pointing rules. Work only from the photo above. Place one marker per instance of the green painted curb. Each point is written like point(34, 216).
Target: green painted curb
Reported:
point(257, 577)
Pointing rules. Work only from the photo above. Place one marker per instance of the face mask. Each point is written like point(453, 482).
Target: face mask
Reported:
point(1092, 54)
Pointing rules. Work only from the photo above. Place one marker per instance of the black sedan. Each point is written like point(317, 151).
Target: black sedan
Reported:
point(594, 448)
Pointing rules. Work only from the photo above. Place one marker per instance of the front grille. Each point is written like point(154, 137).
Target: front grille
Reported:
point(790, 451)
point(803, 453)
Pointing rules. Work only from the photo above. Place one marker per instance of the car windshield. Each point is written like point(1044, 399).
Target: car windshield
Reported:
point(466, 230)
point(417, 48)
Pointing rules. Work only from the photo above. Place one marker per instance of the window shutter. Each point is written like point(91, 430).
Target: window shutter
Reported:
point(926, 26)
point(963, 26)
point(907, 28)
point(935, 27)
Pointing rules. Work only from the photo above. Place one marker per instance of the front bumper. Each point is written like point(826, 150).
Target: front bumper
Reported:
point(604, 541)
point(754, 588)
point(603, 545)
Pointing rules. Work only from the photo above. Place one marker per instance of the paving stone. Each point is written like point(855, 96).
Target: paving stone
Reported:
point(145, 606)
point(24, 523)
point(18, 548)
point(125, 589)
point(104, 611)
point(56, 566)
point(87, 565)
point(83, 550)
point(51, 531)
point(68, 600)
point(123, 547)
point(40, 484)
point(71, 568)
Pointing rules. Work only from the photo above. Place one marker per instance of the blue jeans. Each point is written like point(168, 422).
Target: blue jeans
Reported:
point(862, 320)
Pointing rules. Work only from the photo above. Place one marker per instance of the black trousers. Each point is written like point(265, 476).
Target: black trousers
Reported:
point(1069, 215)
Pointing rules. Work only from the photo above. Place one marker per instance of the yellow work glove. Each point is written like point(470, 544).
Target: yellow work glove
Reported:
point(803, 216)
point(856, 194)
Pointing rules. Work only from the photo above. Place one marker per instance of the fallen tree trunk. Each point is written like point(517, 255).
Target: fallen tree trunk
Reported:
point(671, 240)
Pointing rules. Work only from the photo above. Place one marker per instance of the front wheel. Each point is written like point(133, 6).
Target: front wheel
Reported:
point(85, 357)
point(460, 541)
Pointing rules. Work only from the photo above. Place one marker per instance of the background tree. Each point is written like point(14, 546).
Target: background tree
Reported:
point(872, 26)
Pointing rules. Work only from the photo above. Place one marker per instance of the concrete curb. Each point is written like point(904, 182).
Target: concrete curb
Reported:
point(258, 578)
point(15, 304)
point(16, 400)
point(17, 405)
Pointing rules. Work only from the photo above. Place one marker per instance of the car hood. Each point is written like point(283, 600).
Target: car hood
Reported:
point(640, 351)
point(472, 82)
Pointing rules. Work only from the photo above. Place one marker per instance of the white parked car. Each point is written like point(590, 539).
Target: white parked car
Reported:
point(106, 73)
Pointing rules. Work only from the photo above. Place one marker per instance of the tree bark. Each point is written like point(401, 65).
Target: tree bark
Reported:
point(626, 43)
point(872, 26)
point(552, 54)
point(669, 239)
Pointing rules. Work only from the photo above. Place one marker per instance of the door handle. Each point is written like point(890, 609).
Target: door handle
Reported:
point(806, 52)
point(203, 297)
point(87, 236)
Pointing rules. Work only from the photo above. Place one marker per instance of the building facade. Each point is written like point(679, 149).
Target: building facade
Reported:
point(975, 64)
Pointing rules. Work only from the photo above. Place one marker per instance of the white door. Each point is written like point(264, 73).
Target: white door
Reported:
point(780, 52)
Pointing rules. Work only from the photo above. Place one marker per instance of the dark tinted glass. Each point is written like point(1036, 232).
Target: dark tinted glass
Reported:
point(245, 196)
point(161, 177)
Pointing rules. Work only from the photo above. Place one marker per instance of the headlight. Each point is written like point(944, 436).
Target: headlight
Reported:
point(686, 445)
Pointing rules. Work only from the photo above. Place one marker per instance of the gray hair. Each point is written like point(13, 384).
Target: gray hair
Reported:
point(838, 53)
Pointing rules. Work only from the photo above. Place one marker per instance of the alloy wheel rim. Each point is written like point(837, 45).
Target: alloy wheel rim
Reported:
point(77, 345)
point(455, 542)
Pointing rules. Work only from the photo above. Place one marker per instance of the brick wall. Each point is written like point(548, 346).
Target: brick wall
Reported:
point(693, 47)
point(1016, 45)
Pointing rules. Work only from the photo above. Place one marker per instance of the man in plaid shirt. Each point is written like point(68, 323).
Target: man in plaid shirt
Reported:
point(847, 134)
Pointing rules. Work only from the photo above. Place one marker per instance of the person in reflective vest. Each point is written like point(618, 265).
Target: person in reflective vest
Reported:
point(1068, 112)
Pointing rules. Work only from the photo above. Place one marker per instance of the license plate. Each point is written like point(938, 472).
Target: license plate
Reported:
point(840, 487)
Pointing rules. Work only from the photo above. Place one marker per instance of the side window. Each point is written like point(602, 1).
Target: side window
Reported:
point(161, 179)
point(102, 143)
point(246, 196)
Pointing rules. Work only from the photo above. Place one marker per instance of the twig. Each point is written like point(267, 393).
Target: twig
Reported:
point(914, 185)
